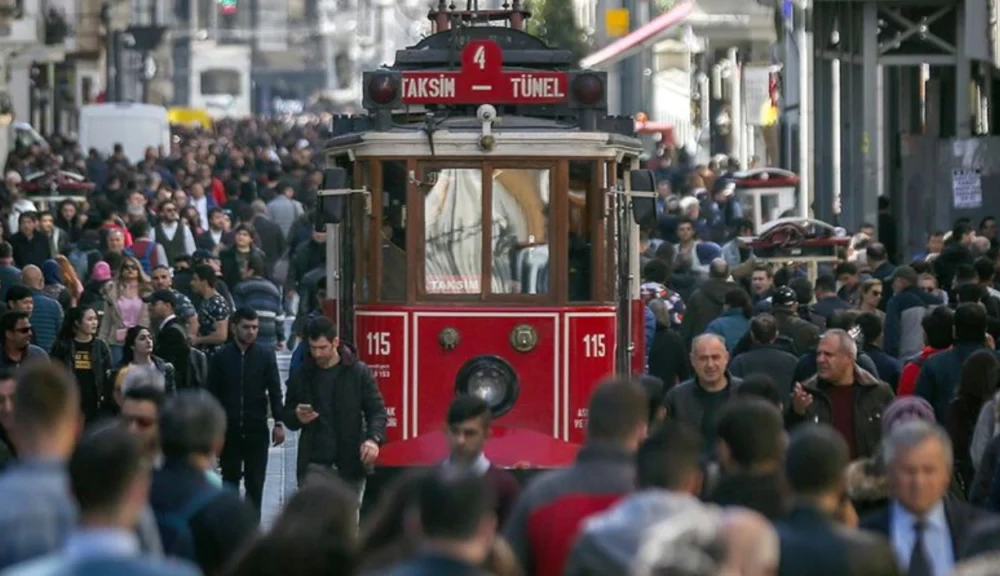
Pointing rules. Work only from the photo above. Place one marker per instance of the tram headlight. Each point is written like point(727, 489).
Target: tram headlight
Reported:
point(382, 89)
point(492, 379)
point(588, 89)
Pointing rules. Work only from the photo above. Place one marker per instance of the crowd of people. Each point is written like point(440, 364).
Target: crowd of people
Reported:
point(847, 424)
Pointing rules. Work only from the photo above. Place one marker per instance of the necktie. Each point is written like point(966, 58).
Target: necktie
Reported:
point(920, 562)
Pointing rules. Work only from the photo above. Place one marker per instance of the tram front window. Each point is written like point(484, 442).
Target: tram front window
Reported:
point(519, 231)
point(453, 231)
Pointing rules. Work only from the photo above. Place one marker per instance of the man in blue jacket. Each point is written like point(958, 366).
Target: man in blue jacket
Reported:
point(243, 375)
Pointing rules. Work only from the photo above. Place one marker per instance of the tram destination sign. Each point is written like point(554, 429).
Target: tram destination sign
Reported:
point(482, 80)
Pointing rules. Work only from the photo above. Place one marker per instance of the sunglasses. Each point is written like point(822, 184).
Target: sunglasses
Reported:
point(131, 268)
point(23, 330)
point(876, 293)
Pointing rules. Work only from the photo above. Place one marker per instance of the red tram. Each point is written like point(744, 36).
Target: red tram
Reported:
point(482, 232)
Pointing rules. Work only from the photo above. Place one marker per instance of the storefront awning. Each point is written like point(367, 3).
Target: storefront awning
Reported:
point(640, 39)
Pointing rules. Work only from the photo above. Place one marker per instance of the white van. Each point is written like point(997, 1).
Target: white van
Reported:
point(134, 126)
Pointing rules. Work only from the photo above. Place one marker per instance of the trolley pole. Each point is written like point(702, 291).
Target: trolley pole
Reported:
point(803, 37)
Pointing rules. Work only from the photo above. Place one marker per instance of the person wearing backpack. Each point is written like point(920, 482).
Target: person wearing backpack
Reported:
point(144, 249)
point(198, 520)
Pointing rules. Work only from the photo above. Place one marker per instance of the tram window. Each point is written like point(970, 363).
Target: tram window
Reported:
point(453, 231)
point(519, 231)
point(582, 192)
point(394, 273)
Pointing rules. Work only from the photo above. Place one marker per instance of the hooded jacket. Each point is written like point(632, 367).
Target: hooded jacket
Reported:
point(704, 306)
point(608, 542)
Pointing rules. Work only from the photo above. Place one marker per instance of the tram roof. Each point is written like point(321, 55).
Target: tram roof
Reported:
point(515, 136)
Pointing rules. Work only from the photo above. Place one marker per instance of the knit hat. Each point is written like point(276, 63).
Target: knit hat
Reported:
point(903, 410)
point(101, 272)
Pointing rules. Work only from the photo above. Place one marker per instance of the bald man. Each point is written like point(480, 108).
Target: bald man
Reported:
point(752, 545)
point(47, 314)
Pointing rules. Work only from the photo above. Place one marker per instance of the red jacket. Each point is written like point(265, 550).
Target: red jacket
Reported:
point(543, 526)
point(911, 370)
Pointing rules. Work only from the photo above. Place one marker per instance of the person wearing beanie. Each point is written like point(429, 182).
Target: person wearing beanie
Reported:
point(867, 484)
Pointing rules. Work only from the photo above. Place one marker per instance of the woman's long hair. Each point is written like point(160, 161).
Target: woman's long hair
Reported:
point(128, 346)
point(316, 535)
point(144, 285)
point(73, 317)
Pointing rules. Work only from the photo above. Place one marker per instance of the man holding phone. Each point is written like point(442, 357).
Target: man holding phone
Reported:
point(333, 398)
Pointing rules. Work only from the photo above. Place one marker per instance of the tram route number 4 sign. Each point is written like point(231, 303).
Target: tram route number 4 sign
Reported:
point(966, 189)
point(482, 80)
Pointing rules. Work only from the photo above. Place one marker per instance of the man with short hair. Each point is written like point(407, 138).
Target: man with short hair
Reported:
point(827, 300)
point(750, 443)
point(171, 336)
point(697, 401)
point(213, 311)
point(904, 312)
point(162, 279)
point(813, 541)
point(669, 480)
point(925, 528)
point(762, 282)
point(109, 479)
point(192, 432)
point(37, 513)
point(46, 313)
point(335, 401)
point(940, 375)
point(457, 525)
point(939, 330)
point(546, 517)
point(468, 427)
point(30, 247)
point(706, 303)
point(766, 355)
point(175, 238)
point(17, 347)
point(842, 394)
point(257, 292)
point(243, 375)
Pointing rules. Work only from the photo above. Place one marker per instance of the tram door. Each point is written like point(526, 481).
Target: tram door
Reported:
point(341, 218)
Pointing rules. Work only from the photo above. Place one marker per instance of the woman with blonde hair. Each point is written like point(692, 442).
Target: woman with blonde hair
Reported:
point(70, 279)
point(123, 305)
point(871, 296)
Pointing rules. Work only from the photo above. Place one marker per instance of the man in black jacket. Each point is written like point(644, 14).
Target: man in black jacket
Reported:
point(171, 336)
point(334, 400)
point(813, 540)
point(244, 377)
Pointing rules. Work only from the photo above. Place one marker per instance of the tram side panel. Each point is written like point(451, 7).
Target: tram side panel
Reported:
point(589, 345)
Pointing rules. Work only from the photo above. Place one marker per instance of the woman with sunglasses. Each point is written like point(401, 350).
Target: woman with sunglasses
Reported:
point(137, 355)
point(88, 358)
point(871, 296)
point(124, 307)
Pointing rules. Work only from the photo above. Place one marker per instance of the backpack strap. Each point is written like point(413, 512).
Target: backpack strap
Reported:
point(917, 359)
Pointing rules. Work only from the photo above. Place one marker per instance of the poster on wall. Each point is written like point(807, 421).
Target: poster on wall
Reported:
point(966, 189)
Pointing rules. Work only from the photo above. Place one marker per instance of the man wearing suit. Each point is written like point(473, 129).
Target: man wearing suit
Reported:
point(813, 539)
point(925, 529)
point(171, 336)
point(110, 481)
